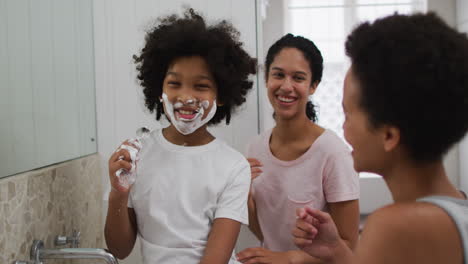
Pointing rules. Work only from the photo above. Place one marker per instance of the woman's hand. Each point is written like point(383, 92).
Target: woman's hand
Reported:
point(263, 256)
point(254, 226)
point(316, 233)
point(255, 167)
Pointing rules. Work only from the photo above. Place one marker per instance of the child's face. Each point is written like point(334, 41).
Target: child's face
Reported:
point(289, 83)
point(189, 93)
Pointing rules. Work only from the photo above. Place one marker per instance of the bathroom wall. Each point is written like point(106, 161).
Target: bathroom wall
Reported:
point(43, 203)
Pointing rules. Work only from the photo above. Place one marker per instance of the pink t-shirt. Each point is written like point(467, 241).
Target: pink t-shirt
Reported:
point(324, 174)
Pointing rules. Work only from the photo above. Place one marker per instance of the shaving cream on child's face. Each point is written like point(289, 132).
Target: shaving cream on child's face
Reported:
point(188, 116)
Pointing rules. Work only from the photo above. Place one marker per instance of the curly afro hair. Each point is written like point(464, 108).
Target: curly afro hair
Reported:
point(186, 36)
point(413, 74)
point(311, 54)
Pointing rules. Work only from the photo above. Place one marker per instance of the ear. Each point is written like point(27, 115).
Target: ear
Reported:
point(391, 137)
point(313, 87)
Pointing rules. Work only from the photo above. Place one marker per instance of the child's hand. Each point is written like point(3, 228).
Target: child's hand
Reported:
point(316, 233)
point(120, 160)
point(255, 167)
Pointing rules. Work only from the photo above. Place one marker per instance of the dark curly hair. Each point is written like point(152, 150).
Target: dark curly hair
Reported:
point(311, 54)
point(186, 36)
point(413, 74)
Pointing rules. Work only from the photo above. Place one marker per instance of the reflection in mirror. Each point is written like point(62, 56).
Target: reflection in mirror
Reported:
point(47, 102)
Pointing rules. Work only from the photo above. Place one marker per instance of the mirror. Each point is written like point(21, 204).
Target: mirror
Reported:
point(47, 102)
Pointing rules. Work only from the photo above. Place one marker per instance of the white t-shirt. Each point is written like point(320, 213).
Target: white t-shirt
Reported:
point(178, 193)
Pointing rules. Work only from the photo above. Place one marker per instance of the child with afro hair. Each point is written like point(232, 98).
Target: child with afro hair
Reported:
point(190, 195)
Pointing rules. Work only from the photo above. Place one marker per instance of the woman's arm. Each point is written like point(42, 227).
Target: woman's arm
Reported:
point(260, 255)
point(344, 214)
point(405, 233)
point(346, 218)
point(254, 226)
point(221, 241)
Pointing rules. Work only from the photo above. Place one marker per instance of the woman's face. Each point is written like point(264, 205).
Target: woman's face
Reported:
point(289, 83)
point(189, 92)
point(366, 141)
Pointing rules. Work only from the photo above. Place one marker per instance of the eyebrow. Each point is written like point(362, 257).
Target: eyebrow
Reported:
point(279, 69)
point(171, 73)
point(198, 76)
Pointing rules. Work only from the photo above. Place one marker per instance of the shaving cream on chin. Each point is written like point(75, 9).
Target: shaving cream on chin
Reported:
point(187, 127)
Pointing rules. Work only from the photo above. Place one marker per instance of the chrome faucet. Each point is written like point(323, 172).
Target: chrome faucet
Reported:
point(73, 240)
point(38, 254)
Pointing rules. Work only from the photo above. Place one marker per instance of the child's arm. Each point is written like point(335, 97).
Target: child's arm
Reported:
point(120, 229)
point(221, 241)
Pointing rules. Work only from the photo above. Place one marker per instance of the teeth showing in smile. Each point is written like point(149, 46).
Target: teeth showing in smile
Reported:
point(285, 99)
point(186, 115)
point(185, 112)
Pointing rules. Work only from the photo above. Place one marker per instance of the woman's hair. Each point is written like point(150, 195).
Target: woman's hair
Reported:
point(311, 54)
point(186, 36)
point(413, 74)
